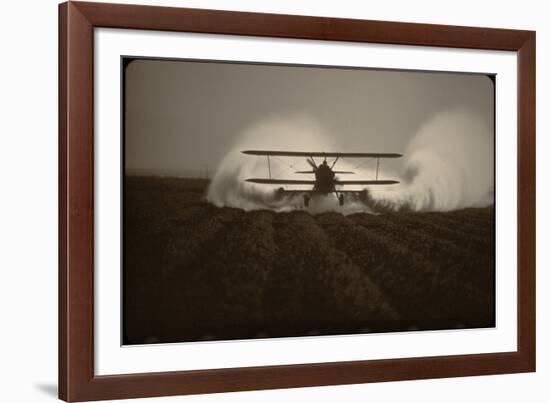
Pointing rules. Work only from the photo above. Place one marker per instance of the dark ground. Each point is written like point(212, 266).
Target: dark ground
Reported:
point(193, 271)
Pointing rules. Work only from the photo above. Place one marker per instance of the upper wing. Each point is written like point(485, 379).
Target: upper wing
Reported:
point(375, 182)
point(320, 154)
point(281, 181)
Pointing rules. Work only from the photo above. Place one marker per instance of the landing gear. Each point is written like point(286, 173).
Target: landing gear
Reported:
point(341, 199)
point(279, 193)
point(306, 200)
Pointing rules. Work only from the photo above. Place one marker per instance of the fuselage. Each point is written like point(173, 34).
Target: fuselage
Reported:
point(324, 179)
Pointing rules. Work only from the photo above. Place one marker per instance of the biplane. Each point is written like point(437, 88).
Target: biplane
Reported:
point(325, 181)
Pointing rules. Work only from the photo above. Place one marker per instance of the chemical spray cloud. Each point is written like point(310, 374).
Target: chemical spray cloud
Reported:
point(448, 165)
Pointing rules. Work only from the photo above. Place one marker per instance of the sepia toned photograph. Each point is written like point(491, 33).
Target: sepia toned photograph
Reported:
point(265, 201)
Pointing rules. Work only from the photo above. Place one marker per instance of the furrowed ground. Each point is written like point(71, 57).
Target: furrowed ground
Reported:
point(193, 271)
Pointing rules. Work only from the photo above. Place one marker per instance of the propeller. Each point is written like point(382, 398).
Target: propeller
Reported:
point(311, 162)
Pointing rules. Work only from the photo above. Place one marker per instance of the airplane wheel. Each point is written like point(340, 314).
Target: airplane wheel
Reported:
point(341, 199)
point(306, 200)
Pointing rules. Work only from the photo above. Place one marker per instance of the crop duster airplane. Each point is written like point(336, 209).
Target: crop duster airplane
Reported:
point(325, 181)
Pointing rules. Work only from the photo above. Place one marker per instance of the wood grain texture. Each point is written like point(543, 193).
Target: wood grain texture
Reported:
point(299, 27)
point(76, 364)
point(526, 200)
point(76, 211)
point(62, 206)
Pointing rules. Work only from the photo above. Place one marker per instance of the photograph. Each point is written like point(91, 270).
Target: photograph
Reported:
point(266, 200)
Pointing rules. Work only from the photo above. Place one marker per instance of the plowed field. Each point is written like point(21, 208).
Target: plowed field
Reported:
point(193, 271)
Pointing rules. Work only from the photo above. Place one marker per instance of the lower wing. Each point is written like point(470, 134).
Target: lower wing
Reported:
point(312, 182)
point(281, 181)
point(375, 182)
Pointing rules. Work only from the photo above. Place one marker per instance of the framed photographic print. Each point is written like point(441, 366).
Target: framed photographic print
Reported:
point(253, 201)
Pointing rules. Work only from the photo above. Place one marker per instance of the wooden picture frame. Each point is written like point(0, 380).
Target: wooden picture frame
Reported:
point(77, 21)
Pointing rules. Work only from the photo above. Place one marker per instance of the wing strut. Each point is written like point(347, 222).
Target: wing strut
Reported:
point(377, 166)
point(269, 166)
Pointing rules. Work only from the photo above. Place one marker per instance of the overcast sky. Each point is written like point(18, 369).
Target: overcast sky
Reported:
point(184, 115)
